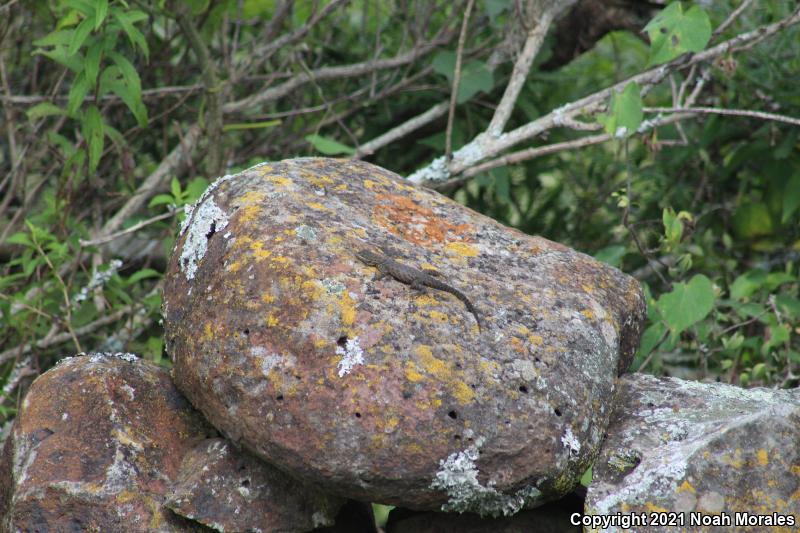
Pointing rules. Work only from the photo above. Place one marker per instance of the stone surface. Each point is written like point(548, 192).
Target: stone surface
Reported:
point(230, 490)
point(372, 389)
point(701, 451)
point(94, 447)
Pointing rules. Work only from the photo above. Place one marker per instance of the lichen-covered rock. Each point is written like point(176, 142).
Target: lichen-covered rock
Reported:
point(373, 389)
point(94, 447)
point(699, 457)
point(230, 490)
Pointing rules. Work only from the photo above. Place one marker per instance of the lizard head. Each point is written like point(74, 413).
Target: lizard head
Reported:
point(368, 257)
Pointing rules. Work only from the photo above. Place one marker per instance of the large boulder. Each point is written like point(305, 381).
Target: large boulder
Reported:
point(376, 390)
point(688, 456)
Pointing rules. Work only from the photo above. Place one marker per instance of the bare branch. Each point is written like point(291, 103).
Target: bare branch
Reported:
point(328, 73)
point(462, 37)
point(486, 145)
point(721, 111)
point(402, 130)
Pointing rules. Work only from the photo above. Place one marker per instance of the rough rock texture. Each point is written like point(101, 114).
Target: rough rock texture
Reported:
point(94, 447)
point(370, 388)
point(230, 490)
point(700, 450)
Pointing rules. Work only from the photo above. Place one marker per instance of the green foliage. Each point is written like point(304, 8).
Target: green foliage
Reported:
point(328, 146)
point(673, 32)
point(625, 114)
point(475, 76)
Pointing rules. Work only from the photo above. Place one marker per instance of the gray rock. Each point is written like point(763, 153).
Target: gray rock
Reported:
point(369, 388)
point(690, 454)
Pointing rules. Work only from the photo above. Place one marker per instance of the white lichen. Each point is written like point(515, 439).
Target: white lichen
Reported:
point(570, 441)
point(209, 218)
point(352, 355)
point(98, 279)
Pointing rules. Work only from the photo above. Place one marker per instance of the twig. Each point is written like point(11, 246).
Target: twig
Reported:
point(522, 67)
point(402, 130)
point(721, 111)
point(212, 85)
point(327, 73)
point(731, 18)
point(157, 92)
point(168, 166)
point(136, 227)
point(462, 37)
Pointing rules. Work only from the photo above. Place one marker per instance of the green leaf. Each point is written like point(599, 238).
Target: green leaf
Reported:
point(251, 125)
point(85, 7)
point(195, 188)
point(142, 274)
point(100, 12)
point(77, 93)
point(475, 75)
point(650, 338)
point(92, 129)
point(611, 255)
point(20, 238)
point(778, 335)
point(494, 8)
point(43, 109)
point(60, 37)
point(92, 63)
point(112, 81)
point(752, 220)
point(625, 112)
point(128, 72)
point(175, 189)
point(687, 303)
point(748, 283)
point(161, 199)
point(81, 33)
point(328, 146)
point(673, 227)
point(791, 198)
point(59, 55)
point(126, 21)
point(673, 32)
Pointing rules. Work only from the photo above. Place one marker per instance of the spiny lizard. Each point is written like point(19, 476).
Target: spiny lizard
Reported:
point(417, 279)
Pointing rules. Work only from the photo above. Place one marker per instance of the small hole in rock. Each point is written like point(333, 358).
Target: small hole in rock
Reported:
point(279, 397)
point(523, 389)
point(358, 415)
point(456, 437)
point(212, 230)
point(341, 341)
point(245, 483)
point(246, 332)
point(453, 415)
point(557, 411)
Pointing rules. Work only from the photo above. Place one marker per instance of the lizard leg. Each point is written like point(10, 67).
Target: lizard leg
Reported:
point(433, 272)
point(417, 286)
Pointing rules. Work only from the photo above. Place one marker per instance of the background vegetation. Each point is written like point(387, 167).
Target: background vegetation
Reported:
point(118, 113)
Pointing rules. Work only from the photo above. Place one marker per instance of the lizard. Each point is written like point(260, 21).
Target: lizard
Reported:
point(417, 279)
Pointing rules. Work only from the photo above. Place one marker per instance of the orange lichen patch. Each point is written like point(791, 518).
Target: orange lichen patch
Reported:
point(348, 307)
point(406, 218)
point(517, 345)
point(463, 249)
point(280, 181)
point(762, 456)
point(536, 340)
point(686, 487)
point(267, 298)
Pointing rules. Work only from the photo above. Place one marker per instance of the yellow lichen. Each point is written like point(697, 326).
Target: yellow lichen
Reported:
point(267, 298)
point(280, 181)
point(588, 313)
point(686, 486)
point(316, 205)
point(272, 320)
point(763, 457)
point(463, 249)
point(462, 392)
point(348, 307)
point(412, 374)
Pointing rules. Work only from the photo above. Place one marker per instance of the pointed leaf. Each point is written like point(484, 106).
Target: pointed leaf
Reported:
point(625, 112)
point(126, 21)
point(328, 146)
point(43, 109)
point(77, 93)
point(92, 129)
point(92, 64)
point(673, 32)
point(81, 33)
point(100, 12)
point(791, 198)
